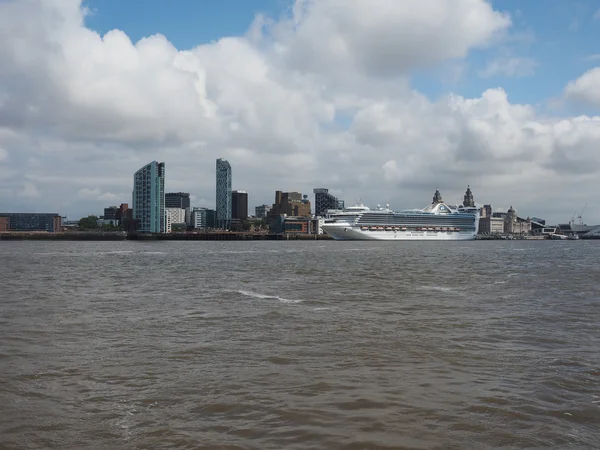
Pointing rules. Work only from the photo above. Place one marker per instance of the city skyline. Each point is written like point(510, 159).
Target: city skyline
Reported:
point(501, 95)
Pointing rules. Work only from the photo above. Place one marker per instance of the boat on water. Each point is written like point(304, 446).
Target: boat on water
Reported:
point(436, 222)
point(573, 237)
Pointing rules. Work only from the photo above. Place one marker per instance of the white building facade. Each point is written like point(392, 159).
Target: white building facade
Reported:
point(174, 216)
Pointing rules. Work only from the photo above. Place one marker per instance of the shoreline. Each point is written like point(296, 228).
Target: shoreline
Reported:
point(122, 236)
point(224, 236)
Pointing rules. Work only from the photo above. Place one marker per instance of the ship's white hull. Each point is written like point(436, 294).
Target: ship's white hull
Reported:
point(354, 233)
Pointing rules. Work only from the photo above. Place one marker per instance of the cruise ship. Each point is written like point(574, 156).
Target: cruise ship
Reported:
point(438, 221)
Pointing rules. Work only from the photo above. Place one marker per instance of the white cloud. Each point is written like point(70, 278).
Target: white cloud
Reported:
point(586, 88)
point(384, 37)
point(510, 67)
point(29, 190)
point(97, 194)
point(321, 98)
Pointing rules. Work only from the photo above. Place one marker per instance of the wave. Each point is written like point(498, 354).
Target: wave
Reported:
point(435, 288)
point(266, 296)
point(114, 252)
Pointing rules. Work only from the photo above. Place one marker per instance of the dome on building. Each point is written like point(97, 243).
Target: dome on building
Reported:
point(511, 209)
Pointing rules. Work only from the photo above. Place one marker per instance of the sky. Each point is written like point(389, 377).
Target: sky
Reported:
point(383, 101)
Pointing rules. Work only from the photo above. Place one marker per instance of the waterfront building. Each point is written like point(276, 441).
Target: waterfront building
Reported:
point(261, 211)
point(488, 224)
point(125, 217)
point(4, 225)
point(317, 225)
point(177, 200)
point(324, 201)
point(538, 220)
point(239, 205)
point(174, 216)
point(223, 191)
point(51, 222)
point(468, 200)
point(491, 225)
point(149, 198)
point(202, 218)
point(514, 224)
point(291, 204)
point(123, 214)
point(110, 213)
point(486, 211)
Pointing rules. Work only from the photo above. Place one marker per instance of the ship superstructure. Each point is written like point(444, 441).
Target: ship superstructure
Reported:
point(437, 221)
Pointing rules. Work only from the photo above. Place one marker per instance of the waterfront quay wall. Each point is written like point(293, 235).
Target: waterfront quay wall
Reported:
point(63, 236)
point(121, 236)
point(226, 236)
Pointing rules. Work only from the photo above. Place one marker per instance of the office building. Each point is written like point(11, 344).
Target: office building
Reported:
point(32, 222)
point(177, 200)
point(324, 201)
point(110, 213)
point(239, 205)
point(149, 198)
point(202, 218)
point(223, 200)
point(261, 211)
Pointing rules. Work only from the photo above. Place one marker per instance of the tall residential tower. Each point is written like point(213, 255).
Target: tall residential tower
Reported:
point(223, 203)
point(149, 198)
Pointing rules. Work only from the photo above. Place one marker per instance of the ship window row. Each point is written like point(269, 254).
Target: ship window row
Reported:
point(415, 221)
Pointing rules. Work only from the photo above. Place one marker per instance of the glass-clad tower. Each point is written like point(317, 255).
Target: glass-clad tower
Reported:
point(149, 198)
point(223, 204)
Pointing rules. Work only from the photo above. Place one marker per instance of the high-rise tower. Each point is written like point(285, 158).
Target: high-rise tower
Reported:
point(149, 198)
point(223, 203)
point(239, 205)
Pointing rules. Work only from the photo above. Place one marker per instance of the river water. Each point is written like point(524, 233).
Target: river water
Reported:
point(299, 345)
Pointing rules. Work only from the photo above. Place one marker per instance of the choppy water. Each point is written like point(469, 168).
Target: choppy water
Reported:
point(298, 345)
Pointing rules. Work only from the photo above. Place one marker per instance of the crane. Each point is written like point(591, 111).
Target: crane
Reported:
point(580, 216)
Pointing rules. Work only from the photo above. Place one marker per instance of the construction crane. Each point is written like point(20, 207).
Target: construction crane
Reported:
point(580, 216)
